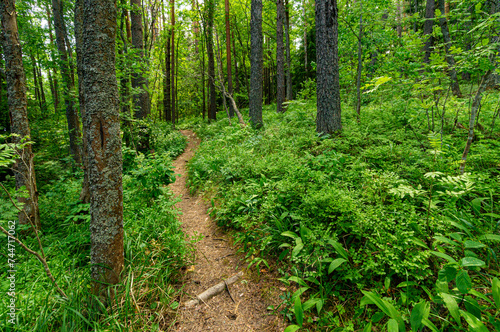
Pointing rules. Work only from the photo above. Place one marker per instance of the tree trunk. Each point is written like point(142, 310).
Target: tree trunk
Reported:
point(255, 94)
point(55, 91)
point(360, 62)
point(16, 98)
point(306, 67)
point(141, 100)
point(236, 73)
point(42, 91)
point(289, 92)
point(429, 22)
point(69, 87)
point(167, 108)
point(172, 58)
point(328, 118)
point(211, 62)
point(125, 78)
point(228, 58)
point(102, 128)
point(35, 79)
point(280, 56)
point(443, 22)
point(85, 193)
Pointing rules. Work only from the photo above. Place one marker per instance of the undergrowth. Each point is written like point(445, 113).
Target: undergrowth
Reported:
point(371, 227)
point(154, 245)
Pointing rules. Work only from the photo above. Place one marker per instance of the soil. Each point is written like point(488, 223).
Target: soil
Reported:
point(216, 260)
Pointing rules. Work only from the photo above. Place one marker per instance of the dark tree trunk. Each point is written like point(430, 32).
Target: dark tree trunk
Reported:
point(228, 58)
point(69, 86)
point(202, 59)
point(102, 128)
point(211, 61)
point(42, 91)
point(289, 92)
point(125, 78)
point(85, 193)
point(16, 98)
point(55, 91)
point(328, 119)
point(360, 63)
point(280, 56)
point(443, 22)
point(255, 94)
point(35, 79)
point(429, 23)
point(141, 100)
point(306, 66)
point(236, 73)
point(468, 39)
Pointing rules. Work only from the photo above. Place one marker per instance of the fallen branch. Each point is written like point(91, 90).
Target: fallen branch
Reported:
point(213, 291)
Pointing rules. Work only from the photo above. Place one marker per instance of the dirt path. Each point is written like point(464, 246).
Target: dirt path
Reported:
point(217, 260)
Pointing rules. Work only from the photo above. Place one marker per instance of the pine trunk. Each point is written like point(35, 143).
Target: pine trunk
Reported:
point(328, 118)
point(212, 115)
point(429, 23)
point(256, 53)
point(280, 56)
point(289, 92)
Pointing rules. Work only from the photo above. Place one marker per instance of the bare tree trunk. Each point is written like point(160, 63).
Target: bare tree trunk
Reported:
point(236, 73)
point(280, 56)
point(360, 62)
point(102, 128)
point(228, 58)
point(42, 91)
point(328, 118)
point(289, 92)
point(211, 63)
point(255, 94)
point(443, 22)
point(141, 100)
point(429, 22)
point(16, 98)
point(69, 86)
point(35, 79)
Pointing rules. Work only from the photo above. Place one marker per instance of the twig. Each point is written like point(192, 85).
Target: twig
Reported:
point(227, 288)
point(218, 259)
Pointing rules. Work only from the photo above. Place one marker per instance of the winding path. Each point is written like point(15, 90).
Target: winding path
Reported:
point(216, 260)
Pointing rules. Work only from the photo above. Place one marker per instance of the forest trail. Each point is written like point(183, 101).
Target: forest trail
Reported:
point(216, 260)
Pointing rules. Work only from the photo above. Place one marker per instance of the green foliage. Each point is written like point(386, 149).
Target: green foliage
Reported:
point(361, 210)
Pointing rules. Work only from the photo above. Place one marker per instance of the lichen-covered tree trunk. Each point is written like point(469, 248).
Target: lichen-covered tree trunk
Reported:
point(212, 109)
point(85, 192)
point(443, 22)
point(328, 118)
point(255, 93)
point(102, 128)
point(16, 97)
point(429, 23)
point(280, 56)
point(141, 100)
point(69, 86)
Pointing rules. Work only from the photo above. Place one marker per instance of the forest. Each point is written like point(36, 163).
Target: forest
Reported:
point(249, 165)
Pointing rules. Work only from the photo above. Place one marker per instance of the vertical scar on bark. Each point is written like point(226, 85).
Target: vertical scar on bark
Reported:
point(101, 130)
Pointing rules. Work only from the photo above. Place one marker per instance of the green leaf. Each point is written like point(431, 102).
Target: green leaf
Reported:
point(448, 272)
point(292, 328)
point(419, 312)
point(463, 282)
point(392, 325)
point(472, 261)
point(387, 308)
point(475, 324)
point(290, 234)
point(368, 328)
point(298, 280)
point(491, 237)
point(495, 289)
point(430, 325)
point(442, 255)
point(335, 264)
point(446, 240)
point(298, 247)
point(299, 313)
point(419, 242)
point(473, 244)
point(452, 306)
point(339, 249)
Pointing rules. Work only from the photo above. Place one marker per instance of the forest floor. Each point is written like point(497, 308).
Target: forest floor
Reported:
point(216, 260)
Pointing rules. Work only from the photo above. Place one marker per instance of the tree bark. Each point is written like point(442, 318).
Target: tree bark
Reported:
point(429, 23)
point(211, 62)
point(255, 94)
point(288, 73)
point(228, 57)
point(42, 91)
point(55, 91)
point(236, 73)
point(280, 56)
point(69, 86)
point(172, 58)
point(102, 128)
point(167, 105)
point(328, 118)
point(16, 98)
point(141, 100)
point(306, 67)
point(443, 22)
